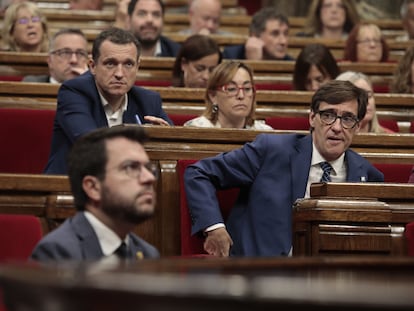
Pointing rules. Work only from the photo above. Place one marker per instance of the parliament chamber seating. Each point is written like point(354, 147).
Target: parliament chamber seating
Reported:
point(288, 123)
point(192, 245)
point(25, 139)
point(180, 119)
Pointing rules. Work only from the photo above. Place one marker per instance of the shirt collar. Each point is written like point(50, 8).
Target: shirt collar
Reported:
point(158, 51)
point(108, 239)
point(317, 158)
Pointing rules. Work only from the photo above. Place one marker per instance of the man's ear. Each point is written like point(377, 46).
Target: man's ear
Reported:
point(92, 187)
point(92, 66)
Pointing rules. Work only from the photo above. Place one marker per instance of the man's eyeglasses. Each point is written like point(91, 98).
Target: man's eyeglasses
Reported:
point(67, 53)
point(25, 20)
point(134, 169)
point(233, 89)
point(329, 117)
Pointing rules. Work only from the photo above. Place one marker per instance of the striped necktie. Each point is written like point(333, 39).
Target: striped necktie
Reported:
point(327, 168)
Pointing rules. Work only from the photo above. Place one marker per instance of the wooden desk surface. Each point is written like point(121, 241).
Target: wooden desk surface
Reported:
point(215, 284)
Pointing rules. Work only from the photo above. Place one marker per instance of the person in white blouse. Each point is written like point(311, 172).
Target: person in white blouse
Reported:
point(230, 99)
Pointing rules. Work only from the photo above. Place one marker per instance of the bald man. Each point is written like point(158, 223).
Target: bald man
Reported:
point(204, 17)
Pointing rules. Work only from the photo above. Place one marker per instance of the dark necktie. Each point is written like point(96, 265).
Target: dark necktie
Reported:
point(122, 251)
point(327, 168)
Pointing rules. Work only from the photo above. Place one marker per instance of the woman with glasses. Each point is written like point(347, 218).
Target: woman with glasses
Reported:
point(330, 19)
point(230, 99)
point(195, 61)
point(369, 124)
point(25, 28)
point(366, 43)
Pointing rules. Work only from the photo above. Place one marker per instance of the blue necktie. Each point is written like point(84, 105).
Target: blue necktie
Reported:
point(327, 168)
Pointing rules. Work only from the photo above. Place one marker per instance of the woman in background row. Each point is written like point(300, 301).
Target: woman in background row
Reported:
point(330, 19)
point(403, 79)
point(198, 56)
point(370, 122)
point(25, 29)
point(366, 43)
point(230, 99)
point(314, 67)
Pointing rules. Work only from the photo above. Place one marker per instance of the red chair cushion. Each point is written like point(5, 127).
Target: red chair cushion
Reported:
point(25, 139)
point(390, 124)
point(409, 236)
point(19, 234)
point(288, 123)
point(395, 173)
point(193, 245)
point(180, 119)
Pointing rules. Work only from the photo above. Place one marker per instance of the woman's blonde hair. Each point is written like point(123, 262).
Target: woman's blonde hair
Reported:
point(220, 76)
point(352, 76)
point(10, 17)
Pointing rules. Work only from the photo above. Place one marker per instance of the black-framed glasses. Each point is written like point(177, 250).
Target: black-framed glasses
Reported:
point(232, 89)
point(134, 168)
point(348, 120)
point(67, 53)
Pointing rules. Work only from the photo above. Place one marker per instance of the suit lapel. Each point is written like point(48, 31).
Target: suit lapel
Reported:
point(300, 166)
point(355, 172)
point(133, 110)
point(88, 240)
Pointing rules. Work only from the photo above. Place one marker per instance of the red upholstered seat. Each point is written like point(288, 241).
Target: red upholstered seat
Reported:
point(412, 127)
point(390, 124)
point(19, 234)
point(25, 139)
point(393, 172)
point(193, 245)
point(409, 236)
point(288, 123)
point(180, 119)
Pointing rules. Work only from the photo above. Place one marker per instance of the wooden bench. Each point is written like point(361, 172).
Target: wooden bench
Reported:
point(267, 74)
point(187, 101)
point(360, 219)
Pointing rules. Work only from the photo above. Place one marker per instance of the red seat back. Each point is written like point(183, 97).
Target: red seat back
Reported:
point(390, 124)
point(25, 139)
point(412, 127)
point(288, 123)
point(180, 119)
point(409, 236)
point(193, 245)
point(19, 234)
point(395, 173)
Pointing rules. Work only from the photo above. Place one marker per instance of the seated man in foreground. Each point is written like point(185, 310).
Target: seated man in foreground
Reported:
point(274, 171)
point(112, 182)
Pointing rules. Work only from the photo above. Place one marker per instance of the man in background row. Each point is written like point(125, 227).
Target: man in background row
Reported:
point(67, 59)
point(105, 96)
point(146, 20)
point(204, 17)
point(268, 38)
point(112, 181)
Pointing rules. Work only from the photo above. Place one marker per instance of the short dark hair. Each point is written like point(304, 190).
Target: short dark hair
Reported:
point(88, 156)
point(260, 18)
point(318, 55)
point(336, 92)
point(193, 48)
point(117, 36)
point(133, 3)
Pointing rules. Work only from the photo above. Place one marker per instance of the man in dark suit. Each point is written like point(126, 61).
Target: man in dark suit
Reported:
point(146, 22)
point(105, 96)
point(268, 38)
point(67, 59)
point(273, 172)
point(112, 181)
